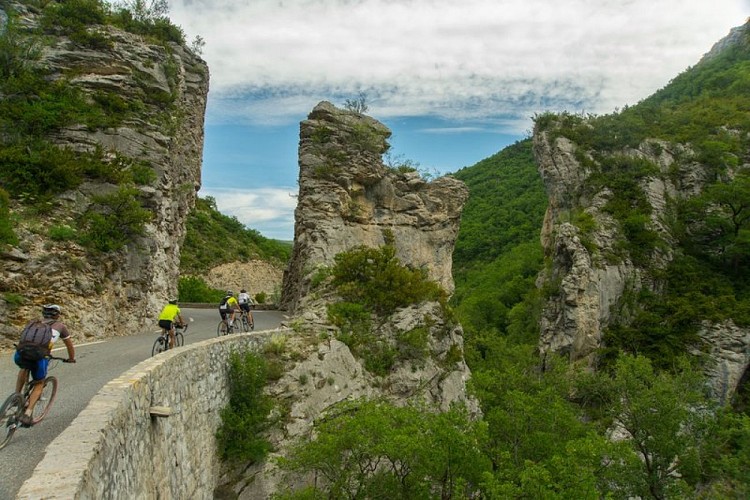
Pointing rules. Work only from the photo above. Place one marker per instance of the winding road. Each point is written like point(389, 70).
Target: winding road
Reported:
point(97, 363)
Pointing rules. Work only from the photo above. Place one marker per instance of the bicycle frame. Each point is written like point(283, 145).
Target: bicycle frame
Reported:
point(15, 405)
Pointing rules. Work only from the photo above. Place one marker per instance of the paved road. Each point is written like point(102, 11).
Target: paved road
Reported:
point(97, 364)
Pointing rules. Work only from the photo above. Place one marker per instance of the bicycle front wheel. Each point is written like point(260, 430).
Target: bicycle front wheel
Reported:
point(222, 329)
point(179, 340)
point(9, 413)
point(160, 345)
point(42, 406)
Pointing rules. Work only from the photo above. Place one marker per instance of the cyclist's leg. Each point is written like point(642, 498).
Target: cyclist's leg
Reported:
point(23, 372)
point(39, 374)
point(171, 337)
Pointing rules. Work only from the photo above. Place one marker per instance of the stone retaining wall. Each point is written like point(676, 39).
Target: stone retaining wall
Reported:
point(115, 448)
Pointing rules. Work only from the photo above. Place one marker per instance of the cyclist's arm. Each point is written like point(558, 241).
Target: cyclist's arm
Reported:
point(71, 350)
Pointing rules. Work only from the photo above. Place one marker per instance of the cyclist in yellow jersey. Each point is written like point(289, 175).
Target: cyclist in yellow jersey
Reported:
point(228, 307)
point(167, 317)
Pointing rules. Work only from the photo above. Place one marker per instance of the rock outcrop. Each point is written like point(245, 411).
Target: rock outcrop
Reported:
point(349, 197)
point(121, 292)
point(590, 277)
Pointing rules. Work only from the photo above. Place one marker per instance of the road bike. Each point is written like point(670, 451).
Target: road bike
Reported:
point(161, 343)
point(224, 328)
point(246, 321)
point(15, 406)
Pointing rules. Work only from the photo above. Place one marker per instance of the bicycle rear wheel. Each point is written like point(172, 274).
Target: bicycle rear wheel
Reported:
point(245, 324)
point(160, 345)
point(42, 406)
point(9, 413)
point(222, 329)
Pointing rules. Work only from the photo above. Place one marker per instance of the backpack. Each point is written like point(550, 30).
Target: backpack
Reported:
point(35, 340)
point(223, 304)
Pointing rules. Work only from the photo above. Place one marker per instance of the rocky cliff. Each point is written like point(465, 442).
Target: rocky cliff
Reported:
point(591, 279)
point(349, 197)
point(119, 292)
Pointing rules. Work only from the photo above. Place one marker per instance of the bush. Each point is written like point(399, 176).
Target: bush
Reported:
point(371, 449)
point(62, 233)
point(7, 236)
point(195, 289)
point(375, 278)
point(119, 220)
point(246, 414)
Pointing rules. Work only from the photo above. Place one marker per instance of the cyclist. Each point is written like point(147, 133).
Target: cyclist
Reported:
point(50, 316)
point(245, 302)
point(167, 317)
point(228, 308)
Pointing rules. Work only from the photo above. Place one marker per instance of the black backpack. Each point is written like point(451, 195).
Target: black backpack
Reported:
point(223, 304)
point(35, 340)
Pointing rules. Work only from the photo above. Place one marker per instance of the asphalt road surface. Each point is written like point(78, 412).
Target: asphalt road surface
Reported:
point(96, 364)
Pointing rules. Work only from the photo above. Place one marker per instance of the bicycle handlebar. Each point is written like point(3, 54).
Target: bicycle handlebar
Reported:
point(64, 360)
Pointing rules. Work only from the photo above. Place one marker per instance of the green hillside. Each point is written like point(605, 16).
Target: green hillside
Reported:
point(498, 254)
point(213, 238)
point(547, 430)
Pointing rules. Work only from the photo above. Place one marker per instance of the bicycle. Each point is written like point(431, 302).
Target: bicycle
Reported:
point(161, 343)
point(224, 328)
point(246, 321)
point(14, 407)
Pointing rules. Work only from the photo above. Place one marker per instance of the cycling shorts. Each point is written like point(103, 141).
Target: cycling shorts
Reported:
point(38, 369)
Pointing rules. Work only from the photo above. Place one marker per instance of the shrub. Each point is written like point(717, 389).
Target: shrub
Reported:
point(119, 219)
point(7, 236)
point(375, 278)
point(62, 233)
point(246, 414)
point(195, 289)
point(371, 449)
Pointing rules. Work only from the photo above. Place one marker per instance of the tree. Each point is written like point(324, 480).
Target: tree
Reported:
point(147, 10)
point(372, 449)
point(358, 105)
point(666, 419)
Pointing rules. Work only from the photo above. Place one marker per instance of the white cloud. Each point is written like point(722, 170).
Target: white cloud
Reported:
point(270, 211)
point(272, 60)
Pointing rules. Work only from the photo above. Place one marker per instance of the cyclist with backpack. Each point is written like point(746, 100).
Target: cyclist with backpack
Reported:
point(35, 344)
point(228, 307)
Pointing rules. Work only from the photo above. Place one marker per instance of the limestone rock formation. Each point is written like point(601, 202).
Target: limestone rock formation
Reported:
point(584, 284)
point(121, 292)
point(349, 197)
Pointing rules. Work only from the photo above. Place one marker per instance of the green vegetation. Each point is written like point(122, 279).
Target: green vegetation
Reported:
point(498, 254)
point(246, 415)
point(373, 284)
point(7, 235)
point(371, 449)
point(116, 220)
point(195, 289)
point(213, 238)
point(36, 106)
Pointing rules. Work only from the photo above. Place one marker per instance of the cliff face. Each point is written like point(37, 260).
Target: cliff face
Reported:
point(120, 292)
point(348, 197)
point(584, 287)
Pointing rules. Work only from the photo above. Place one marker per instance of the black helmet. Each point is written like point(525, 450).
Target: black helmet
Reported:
point(230, 292)
point(243, 291)
point(51, 310)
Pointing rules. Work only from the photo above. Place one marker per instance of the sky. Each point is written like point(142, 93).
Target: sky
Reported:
point(455, 81)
